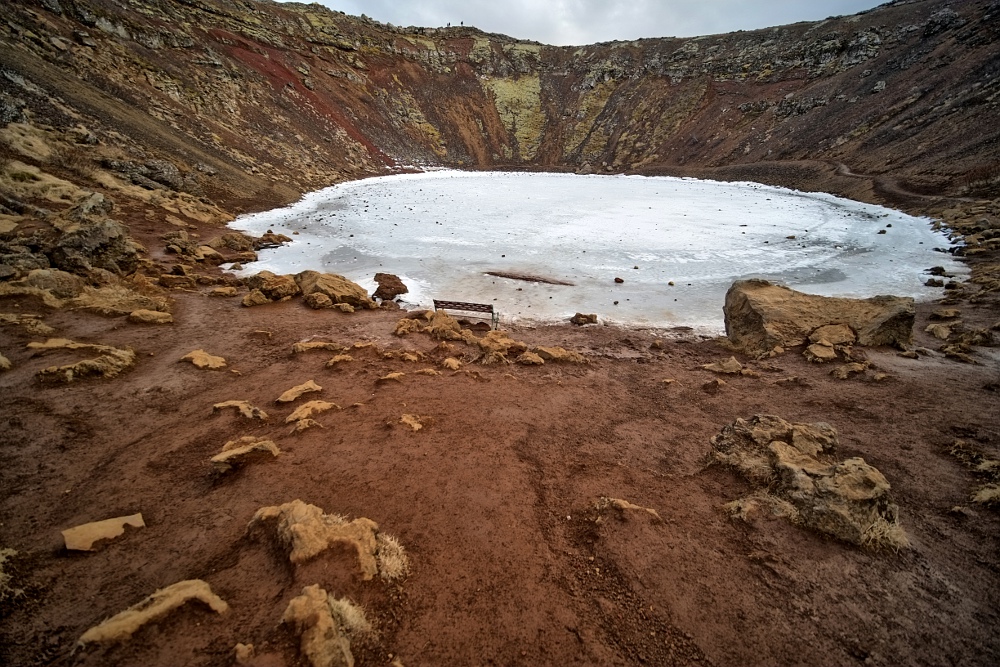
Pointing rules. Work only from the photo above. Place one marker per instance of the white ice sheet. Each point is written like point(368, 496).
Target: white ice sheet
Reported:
point(442, 231)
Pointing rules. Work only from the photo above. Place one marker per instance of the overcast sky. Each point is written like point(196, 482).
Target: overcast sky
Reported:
point(575, 22)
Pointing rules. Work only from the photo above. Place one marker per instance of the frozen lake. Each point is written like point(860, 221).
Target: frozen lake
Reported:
point(443, 232)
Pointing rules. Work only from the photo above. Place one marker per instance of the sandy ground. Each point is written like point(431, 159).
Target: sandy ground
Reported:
point(494, 499)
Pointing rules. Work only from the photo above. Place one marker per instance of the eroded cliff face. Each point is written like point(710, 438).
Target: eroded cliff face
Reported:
point(254, 102)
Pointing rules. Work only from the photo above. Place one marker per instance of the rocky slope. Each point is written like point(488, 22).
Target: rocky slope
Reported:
point(276, 98)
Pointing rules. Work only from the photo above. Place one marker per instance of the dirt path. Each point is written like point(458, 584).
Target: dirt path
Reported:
point(494, 499)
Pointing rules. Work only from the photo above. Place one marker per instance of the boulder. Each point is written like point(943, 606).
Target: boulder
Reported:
point(580, 319)
point(272, 286)
point(254, 298)
point(389, 286)
point(794, 464)
point(760, 316)
point(104, 244)
point(61, 284)
point(338, 288)
point(318, 301)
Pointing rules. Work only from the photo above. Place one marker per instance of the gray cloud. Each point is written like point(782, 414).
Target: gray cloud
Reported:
point(565, 22)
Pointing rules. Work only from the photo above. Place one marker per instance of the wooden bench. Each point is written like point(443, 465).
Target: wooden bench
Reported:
point(469, 307)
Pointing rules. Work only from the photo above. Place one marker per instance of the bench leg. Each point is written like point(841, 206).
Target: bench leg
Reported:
point(496, 320)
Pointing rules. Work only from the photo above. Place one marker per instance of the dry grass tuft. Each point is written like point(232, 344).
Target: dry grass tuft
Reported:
point(882, 534)
point(350, 617)
point(393, 563)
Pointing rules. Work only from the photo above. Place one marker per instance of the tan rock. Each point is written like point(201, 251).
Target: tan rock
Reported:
point(946, 314)
point(343, 307)
point(117, 299)
point(243, 407)
point(940, 331)
point(60, 284)
point(581, 319)
point(848, 499)
point(530, 359)
point(728, 367)
point(32, 324)
point(321, 640)
point(210, 255)
point(244, 654)
point(304, 424)
point(83, 537)
point(239, 452)
point(713, 386)
point(223, 292)
point(150, 317)
point(427, 371)
point(392, 377)
point(273, 287)
point(558, 354)
point(814, 439)
point(761, 316)
point(307, 532)
point(318, 301)
point(202, 359)
point(297, 391)
point(5, 364)
point(171, 281)
point(255, 298)
point(413, 421)
point(123, 625)
point(309, 409)
point(338, 288)
point(110, 362)
point(835, 334)
point(339, 359)
point(847, 370)
point(821, 352)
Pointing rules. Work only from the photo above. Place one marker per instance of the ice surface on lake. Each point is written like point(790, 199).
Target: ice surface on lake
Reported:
point(442, 231)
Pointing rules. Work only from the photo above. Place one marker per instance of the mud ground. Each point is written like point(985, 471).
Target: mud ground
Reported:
point(494, 499)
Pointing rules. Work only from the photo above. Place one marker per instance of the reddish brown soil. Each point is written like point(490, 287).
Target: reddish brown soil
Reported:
point(494, 500)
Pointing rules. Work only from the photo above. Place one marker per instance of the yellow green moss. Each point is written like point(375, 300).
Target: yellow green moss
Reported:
point(518, 103)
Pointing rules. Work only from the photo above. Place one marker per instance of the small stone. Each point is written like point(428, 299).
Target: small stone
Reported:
point(619, 280)
point(202, 359)
point(713, 386)
point(821, 352)
point(149, 317)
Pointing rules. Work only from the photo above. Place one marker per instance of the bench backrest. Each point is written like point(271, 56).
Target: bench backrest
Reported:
point(462, 305)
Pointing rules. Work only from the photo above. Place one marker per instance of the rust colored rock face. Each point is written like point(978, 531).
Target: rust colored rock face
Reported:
point(761, 316)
